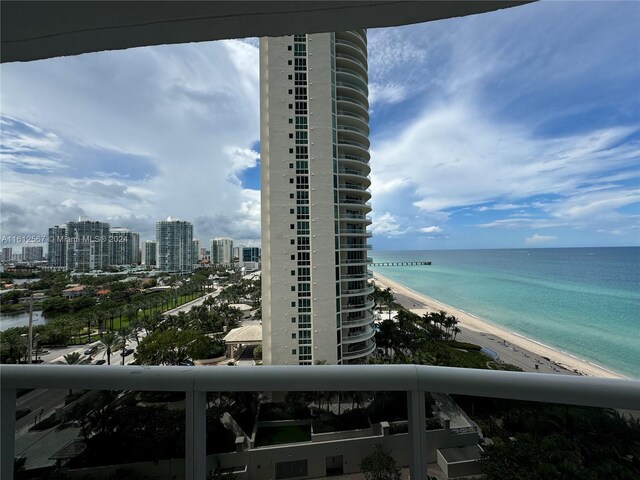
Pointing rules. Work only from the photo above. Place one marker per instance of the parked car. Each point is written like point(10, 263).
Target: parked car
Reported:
point(100, 362)
point(91, 351)
point(128, 352)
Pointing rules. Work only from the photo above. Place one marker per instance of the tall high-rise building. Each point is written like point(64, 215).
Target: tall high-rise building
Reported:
point(249, 258)
point(149, 253)
point(32, 254)
point(314, 136)
point(7, 254)
point(195, 251)
point(124, 246)
point(87, 245)
point(174, 244)
point(221, 251)
point(57, 253)
point(249, 254)
point(237, 252)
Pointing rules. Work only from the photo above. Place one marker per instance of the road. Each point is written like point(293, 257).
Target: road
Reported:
point(193, 303)
point(37, 447)
point(41, 401)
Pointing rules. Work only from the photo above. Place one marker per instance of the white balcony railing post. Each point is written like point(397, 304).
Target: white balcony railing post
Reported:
point(196, 435)
point(7, 437)
point(417, 434)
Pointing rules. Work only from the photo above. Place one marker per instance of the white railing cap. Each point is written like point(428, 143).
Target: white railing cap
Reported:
point(553, 388)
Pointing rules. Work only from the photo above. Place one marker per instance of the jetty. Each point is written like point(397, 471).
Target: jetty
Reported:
point(398, 264)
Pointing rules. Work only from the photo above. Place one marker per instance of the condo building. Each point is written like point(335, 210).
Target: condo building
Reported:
point(149, 253)
point(195, 251)
point(174, 245)
point(7, 254)
point(249, 254)
point(32, 254)
point(87, 245)
point(124, 246)
point(222, 251)
point(315, 199)
point(57, 253)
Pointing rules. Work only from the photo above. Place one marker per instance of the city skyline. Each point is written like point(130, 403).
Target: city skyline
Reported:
point(515, 129)
point(20, 242)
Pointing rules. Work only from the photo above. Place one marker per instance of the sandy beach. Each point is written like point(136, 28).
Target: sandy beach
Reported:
point(512, 347)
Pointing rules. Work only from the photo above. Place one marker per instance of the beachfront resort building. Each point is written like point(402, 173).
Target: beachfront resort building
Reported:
point(314, 138)
point(174, 242)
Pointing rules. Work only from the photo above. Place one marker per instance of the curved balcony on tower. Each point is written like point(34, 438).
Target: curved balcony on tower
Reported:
point(352, 141)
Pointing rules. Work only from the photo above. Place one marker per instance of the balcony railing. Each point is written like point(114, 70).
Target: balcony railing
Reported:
point(352, 86)
point(366, 319)
point(358, 306)
point(351, 58)
point(359, 336)
point(352, 352)
point(353, 158)
point(353, 144)
point(414, 379)
point(353, 115)
point(358, 291)
point(351, 101)
point(353, 216)
point(357, 37)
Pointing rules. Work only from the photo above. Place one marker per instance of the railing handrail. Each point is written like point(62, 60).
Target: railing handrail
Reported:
point(543, 387)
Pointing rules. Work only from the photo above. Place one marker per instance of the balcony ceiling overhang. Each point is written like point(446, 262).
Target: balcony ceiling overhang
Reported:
point(33, 30)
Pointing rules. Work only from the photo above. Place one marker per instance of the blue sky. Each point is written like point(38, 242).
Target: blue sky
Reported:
point(515, 128)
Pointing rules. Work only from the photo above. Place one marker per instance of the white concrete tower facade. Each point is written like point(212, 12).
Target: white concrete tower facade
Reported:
point(315, 165)
point(221, 251)
point(174, 244)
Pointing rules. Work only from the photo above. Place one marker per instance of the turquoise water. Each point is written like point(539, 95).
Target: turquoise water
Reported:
point(583, 301)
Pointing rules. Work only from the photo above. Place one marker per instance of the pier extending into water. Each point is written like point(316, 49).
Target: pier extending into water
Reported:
point(398, 264)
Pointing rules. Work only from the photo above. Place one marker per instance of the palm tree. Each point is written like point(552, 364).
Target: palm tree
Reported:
point(456, 331)
point(125, 334)
point(75, 358)
point(14, 346)
point(100, 316)
point(110, 341)
point(89, 319)
point(386, 296)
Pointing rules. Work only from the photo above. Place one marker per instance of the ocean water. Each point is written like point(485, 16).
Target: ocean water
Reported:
point(583, 301)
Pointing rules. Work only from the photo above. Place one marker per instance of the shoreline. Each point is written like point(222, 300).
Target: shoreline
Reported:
point(512, 347)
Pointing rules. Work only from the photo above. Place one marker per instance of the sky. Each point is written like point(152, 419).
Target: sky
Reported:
point(512, 129)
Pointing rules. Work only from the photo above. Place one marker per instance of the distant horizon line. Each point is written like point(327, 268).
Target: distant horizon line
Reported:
point(499, 248)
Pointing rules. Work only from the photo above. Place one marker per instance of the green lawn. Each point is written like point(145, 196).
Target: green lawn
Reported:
point(117, 325)
point(279, 435)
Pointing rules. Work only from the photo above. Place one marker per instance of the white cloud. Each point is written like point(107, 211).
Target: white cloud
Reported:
point(496, 123)
point(190, 111)
point(387, 225)
point(432, 229)
point(465, 159)
point(500, 206)
point(387, 93)
point(389, 49)
point(540, 239)
point(381, 186)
